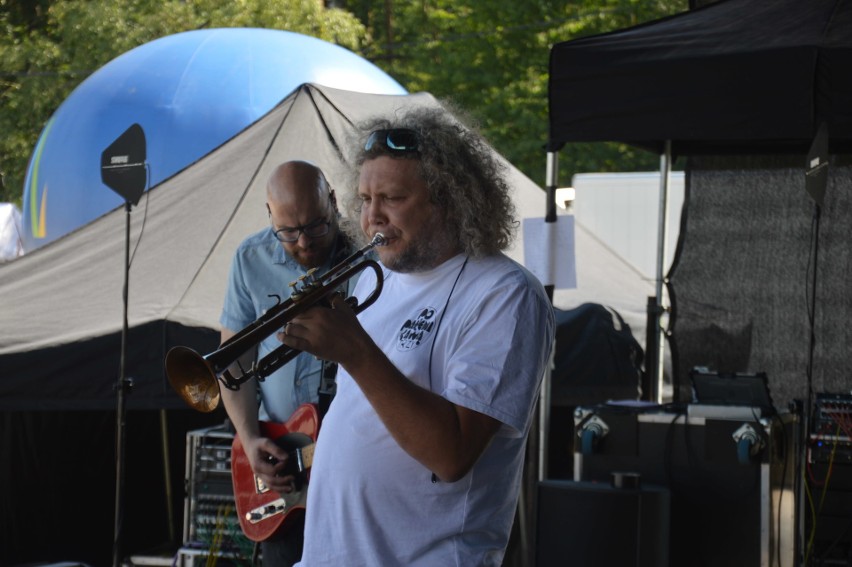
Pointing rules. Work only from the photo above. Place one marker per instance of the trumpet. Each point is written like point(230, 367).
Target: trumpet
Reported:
point(196, 378)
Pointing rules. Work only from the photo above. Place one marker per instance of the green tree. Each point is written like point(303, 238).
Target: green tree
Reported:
point(491, 58)
point(47, 48)
point(488, 56)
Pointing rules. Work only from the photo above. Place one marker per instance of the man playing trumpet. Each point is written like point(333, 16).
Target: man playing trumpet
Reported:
point(419, 461)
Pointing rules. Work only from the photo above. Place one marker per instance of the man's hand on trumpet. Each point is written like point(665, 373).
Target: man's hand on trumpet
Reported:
point(332, 334)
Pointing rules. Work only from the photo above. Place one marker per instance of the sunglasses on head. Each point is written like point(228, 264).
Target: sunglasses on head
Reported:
point(396, 140)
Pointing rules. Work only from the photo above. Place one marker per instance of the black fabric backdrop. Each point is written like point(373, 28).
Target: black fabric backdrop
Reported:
point(40, 379)
point(57, 483)
point(742, 282)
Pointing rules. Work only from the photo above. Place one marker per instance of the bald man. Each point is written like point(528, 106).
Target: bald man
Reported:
point(303, 234)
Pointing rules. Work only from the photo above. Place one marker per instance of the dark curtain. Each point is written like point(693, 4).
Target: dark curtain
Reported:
point(742, 283)
point(57, 476)
point(82, 376)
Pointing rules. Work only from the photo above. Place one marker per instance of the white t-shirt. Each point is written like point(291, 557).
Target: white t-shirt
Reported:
point(479, 333)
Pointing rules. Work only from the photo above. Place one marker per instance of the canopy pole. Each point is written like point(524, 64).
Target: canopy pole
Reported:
point(551, 183)
point(656, 393)
point(535, 469)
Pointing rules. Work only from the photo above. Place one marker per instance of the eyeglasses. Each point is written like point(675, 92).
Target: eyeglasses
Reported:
point(396, 140)
point(314, 229)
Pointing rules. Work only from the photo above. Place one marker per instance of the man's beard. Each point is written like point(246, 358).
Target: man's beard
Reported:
point(424, 254)
point(321, 251)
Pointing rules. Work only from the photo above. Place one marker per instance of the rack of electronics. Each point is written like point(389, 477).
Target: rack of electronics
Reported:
point(211, 530)
point(827, 498)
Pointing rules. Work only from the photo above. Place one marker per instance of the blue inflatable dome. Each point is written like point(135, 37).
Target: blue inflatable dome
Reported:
point(190, 92)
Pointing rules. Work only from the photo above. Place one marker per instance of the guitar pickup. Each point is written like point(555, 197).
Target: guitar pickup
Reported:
point(261, 513)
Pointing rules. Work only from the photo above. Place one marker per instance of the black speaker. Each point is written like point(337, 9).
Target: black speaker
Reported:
point(592, 524)
point(123, 164)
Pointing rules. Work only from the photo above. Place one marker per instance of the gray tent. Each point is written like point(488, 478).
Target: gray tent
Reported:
point(60, 326)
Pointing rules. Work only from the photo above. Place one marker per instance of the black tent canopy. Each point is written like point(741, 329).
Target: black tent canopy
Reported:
point(734, 76)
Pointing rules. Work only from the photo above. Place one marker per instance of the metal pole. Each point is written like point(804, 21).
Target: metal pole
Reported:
point(649, 377)
point(527, 507)
point(658, 372)
point(123, 388)
point(551, 174)
point(164, 440)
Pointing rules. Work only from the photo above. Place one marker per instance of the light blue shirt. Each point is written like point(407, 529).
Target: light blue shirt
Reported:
point(260, 277)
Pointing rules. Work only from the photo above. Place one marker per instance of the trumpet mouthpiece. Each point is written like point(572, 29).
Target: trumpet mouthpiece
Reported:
point(378, 240)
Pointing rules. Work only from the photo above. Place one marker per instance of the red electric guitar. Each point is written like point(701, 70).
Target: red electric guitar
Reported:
point(263, 512)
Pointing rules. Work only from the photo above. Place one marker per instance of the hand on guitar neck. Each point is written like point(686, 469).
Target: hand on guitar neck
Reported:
point(267, 495)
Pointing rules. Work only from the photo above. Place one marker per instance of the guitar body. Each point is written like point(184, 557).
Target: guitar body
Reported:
point(263, 512)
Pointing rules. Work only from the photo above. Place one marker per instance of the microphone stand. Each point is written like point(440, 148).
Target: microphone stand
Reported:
point(123, 170)
point(123, 388)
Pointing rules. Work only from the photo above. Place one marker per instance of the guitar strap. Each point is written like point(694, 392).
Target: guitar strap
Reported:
point(328, 383)
point(328, 378)
point(327, 387)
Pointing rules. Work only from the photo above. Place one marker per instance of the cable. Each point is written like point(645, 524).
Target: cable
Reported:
point(810, 303)
point(669, 448)
point(810, 500)
point(441, 318)
point(810, 293)
point(144, 218)
point(216, 540)
point(815, 512)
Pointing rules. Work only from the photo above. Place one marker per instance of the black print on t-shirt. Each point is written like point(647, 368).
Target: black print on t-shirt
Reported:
point(415, 330)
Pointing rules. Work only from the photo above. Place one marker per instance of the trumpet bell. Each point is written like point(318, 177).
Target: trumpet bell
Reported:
point(192, 378)
point(196, 378)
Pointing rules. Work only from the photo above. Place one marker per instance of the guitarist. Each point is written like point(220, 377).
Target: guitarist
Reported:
point(303, 234)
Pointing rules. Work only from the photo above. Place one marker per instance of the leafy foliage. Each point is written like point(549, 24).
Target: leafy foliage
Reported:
point(491, 57)
point(488, 56)
point(47, 48)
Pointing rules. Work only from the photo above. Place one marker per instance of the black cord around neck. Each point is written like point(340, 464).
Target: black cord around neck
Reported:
point(441, 318)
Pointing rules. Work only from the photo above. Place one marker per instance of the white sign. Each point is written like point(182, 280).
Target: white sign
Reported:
point(549, 251)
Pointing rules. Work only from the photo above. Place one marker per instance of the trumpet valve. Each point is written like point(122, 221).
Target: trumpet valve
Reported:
point(302, 284)
point(295, 290)
point(311, 279)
